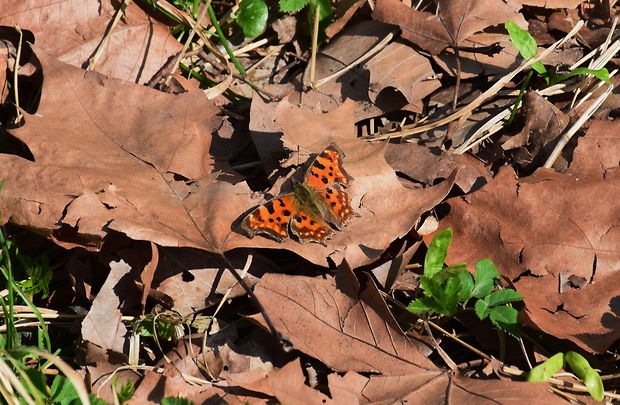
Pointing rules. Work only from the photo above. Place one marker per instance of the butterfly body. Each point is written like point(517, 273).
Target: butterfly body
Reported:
point(318, 201)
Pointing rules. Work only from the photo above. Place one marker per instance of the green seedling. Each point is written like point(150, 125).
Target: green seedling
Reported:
point(448, 289)
point(527, 47)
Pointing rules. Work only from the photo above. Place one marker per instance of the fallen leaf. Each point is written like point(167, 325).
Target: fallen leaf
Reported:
point(376, 192)
point(538, 227)
point(347, 328)
point(102, 325)
point(454, 22)
point(497, 56)
point(598, 152)
point(543, 123)
point(71, 30)
point(99, 165)
point(400, 67)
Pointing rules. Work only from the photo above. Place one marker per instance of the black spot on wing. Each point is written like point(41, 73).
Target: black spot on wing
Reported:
point(269, 207)
point(318, 165)
point(286, 213)
point(324, 179)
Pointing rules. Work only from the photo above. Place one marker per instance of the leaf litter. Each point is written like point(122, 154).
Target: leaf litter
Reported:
point(148, 189)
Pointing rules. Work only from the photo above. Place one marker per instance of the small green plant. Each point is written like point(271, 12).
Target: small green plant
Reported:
point(527, 47)
point(176, 401)
point(578, 364)
point(162, 326)
point(252, 17)
point(452, 288)
point(123, 392)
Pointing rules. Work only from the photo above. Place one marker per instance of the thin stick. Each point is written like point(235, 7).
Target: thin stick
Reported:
point(457, 339)
point(315, 41)
point(181, 54)
point(18, 117)
point(439, 349)
point(224, 41)
point(357, 61)
point(491, 91)
point(92, 61)
point(576, 126)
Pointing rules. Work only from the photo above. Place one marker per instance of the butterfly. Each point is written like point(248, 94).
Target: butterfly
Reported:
point(321, 199)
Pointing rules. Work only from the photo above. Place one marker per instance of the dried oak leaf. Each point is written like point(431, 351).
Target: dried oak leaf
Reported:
point(102, 325)
point(351, 330)
point(71, 30)
point(541, 231)
point(347, 327)
point(543, 123)
point(454, 21)
point(111, 155)
point(376, 193)
point(598, 153)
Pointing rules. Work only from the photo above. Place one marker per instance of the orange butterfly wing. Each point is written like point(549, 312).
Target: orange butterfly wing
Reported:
point(326, 177)
point(272, 218)
point(326, 169)
point(309, 229)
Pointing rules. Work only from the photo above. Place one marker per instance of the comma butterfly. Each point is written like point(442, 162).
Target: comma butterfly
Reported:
point(314, 204)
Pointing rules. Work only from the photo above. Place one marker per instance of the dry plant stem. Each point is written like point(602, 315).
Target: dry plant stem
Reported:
point(458, 78)
point(246, 80)
point(18, 116)
point(190, 37)
point(315, 41)
point(576, 126)
point(464, 112)
point(156, 369)
point(264, 59)
point(527, 358)
point(456, 339)
point(356, 62)
point(439, 349)
point(566, 395)
point(494, 124)
point(244, 272)
point(92, 61)
point(9, 379)
point(249, 47)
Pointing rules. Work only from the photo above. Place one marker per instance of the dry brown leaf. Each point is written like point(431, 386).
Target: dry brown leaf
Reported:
point(421, 165)
point(473, 64)
point(543, 123)
point(71, 30)
point(598, 153)
point(552, 3)
point(102, 325)
point(400, 67)
point(540, 231)
point(195, 279)
point(454, 22)
point(346, 328)
point(99, 165)
point(376, 192)
point(146, 171)
point(289, 386)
